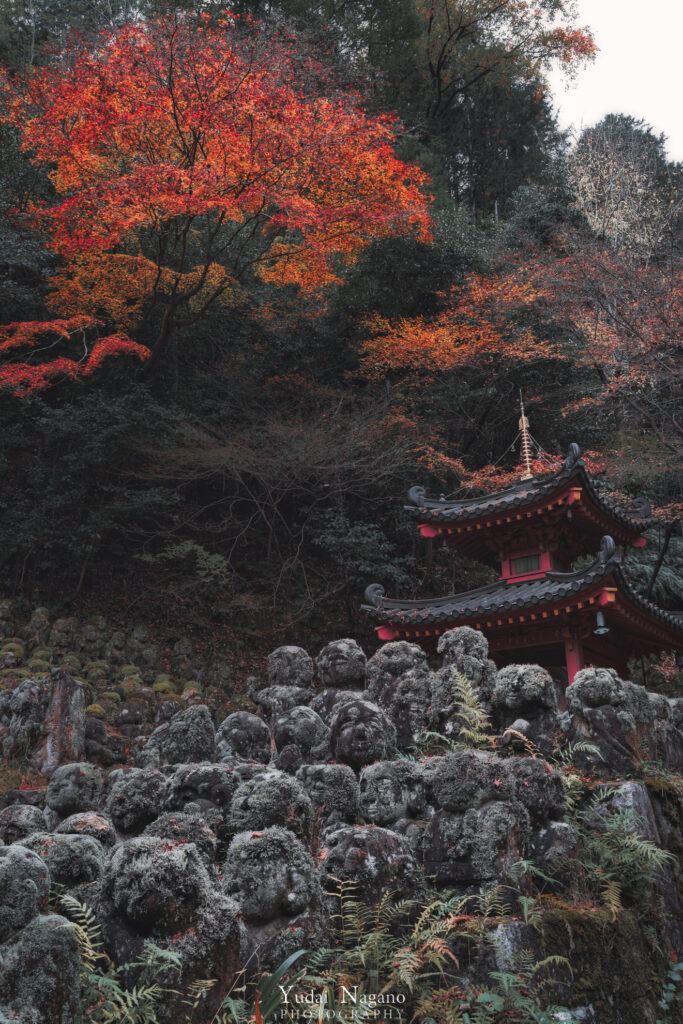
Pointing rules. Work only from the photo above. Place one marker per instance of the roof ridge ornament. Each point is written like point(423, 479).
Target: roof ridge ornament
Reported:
point(416, 496)
point(642, 508)
point(373, 595)
point(573, 455)
point(608, 550)
point(525, 442)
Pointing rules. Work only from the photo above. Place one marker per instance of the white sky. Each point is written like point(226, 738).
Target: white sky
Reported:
point(638, 71)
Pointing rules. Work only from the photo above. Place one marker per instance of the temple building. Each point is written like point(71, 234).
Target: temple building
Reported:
point(539, 610)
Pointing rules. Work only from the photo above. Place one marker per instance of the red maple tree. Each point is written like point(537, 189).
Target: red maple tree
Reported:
point(186, 157)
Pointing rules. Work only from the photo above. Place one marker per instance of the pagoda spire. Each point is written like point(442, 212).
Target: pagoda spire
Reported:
point(525, 441)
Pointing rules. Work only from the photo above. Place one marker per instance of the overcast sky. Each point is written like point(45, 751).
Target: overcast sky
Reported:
point(637, 71)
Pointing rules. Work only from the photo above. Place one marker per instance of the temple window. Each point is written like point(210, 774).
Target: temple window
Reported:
point(528, 563)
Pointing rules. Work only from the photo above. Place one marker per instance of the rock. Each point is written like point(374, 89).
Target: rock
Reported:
point(36, 632)
point(361, 733)
point(376, 860)
point(676, 708)
point(304, 729)
point(43, 721)
point(551, 848)
point(6, 619)
point(92, 637)
point(289, 759)
point(326, 703)
point(243, 736)
point(539, 787)
point(390, 790)
point(89, 823)
point(333, 790)
point(24, 888)
point(19, 821)
point(617, 717)
point(139, 650)
point(342, 665)
point(158, 889)
point(478, 846)
point(527, 691)
point(274, 881)
point(209, 786)
point(72, 860)
point(184, 664)
point(272, 798)
point(464, 651)
point(399, 683)
point(188, 737)
point(471, 779)
point(33, 796)
point(74, 787)
point(186, 828)
point(205, 790)
point(391, 661)
point(39, 973)
point(275, 700)
point(633, 798)
point(62, 635)
point(115, 648)
point(290, 666)
point(217, 674)
point(134, 798)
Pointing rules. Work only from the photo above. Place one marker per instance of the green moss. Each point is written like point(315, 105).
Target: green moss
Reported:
point(44, 653)
point(112, 696)
point(14, 647)
point(71, 662)
point(129, 670)
point(131, 685)
point(38, 666)
point(191, 690)
point(164, 683)
point(615, 971)
point(164, 688)
point(95, 711)
point(15, 673)
point(97, 671)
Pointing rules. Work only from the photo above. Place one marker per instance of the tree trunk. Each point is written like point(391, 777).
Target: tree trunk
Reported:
point(668, 534)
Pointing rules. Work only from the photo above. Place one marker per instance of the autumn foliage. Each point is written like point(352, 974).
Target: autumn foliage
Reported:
point(188, 157)
point(480, 327)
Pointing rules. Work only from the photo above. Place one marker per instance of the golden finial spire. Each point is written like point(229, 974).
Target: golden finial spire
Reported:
point(526, 441)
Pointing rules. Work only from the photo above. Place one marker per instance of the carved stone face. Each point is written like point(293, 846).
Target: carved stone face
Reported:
point(74, 787)
point(333, 789)
point(456, 643)
point(290, 666)
point(135, 797)
point(269, 874)
point(207, 785)
point(271, 798)
point(375, 859)
point(393, 660)
point(155, 885)
point(524, 686)
point(24, 888)
point(361, 733)
point(390, 790)
point(243, 736)
point(18, 821)
point(304, 729)
point(342, 664)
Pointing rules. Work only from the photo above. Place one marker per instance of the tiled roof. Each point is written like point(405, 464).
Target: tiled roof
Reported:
point(502, 597)
point(525, 492)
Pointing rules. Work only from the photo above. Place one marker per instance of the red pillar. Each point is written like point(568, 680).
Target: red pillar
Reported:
point(573, 651)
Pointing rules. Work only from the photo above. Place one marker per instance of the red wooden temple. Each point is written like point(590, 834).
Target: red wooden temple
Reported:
point(539, 610)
